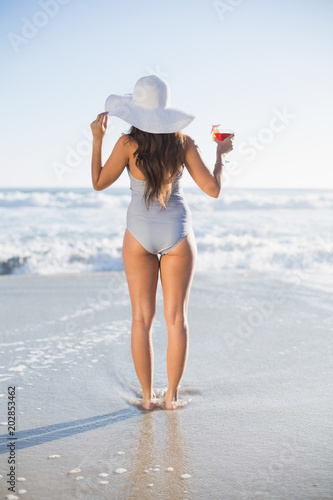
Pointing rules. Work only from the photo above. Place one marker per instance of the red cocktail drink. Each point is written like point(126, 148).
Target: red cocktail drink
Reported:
point(221, 137)
point(216, 134)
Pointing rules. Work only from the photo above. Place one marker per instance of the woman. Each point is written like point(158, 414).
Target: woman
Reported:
point(155, 153)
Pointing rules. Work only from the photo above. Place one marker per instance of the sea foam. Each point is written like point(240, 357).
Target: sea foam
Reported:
point(79, 230)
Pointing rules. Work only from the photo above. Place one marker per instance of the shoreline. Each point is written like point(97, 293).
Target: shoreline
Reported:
point(314, 279)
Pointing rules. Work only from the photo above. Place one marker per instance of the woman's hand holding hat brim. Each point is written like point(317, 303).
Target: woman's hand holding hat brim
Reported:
point(99, 126)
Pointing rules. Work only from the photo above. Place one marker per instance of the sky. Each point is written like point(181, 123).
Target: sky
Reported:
point(260, 68)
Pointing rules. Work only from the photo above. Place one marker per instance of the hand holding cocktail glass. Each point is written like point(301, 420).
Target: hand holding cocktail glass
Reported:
point(226, 137)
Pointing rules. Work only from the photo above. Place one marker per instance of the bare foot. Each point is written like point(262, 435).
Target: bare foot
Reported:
point(171, 400)
point(171, 405)
point(149, 404)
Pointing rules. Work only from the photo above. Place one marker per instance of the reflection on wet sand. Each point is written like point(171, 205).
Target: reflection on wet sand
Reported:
point(160, 466)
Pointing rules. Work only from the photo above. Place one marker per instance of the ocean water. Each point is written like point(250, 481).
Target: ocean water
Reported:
point(50, 231)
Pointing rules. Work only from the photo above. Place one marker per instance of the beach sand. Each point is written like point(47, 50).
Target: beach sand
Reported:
point(257, 391)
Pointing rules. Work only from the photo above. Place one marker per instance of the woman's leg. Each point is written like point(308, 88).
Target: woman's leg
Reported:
point(141, 270)
point(177, 269)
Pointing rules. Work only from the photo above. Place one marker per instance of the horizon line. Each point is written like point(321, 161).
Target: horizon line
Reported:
point(184, 187)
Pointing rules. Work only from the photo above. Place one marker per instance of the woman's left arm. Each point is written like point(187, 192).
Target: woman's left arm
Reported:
point(103, 177)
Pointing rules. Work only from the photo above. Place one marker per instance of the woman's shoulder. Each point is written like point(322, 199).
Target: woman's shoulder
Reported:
point(189, 143)
point(127, 142)
point(125, 139)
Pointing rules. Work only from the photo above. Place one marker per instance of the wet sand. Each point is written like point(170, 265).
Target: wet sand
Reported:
point(257, 415)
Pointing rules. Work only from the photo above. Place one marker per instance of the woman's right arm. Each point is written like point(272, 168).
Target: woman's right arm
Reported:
point(209, 183)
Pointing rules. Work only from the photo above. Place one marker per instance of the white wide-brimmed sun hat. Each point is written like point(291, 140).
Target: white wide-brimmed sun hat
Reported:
point(148, 108)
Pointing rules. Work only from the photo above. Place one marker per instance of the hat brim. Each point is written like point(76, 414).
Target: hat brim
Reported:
point(156, 121)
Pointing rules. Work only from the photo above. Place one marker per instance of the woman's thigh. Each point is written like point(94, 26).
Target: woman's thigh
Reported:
point(141, 268)
point(177, 269)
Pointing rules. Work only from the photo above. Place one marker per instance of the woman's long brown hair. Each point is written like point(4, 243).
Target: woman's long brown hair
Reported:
point(158, 156)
